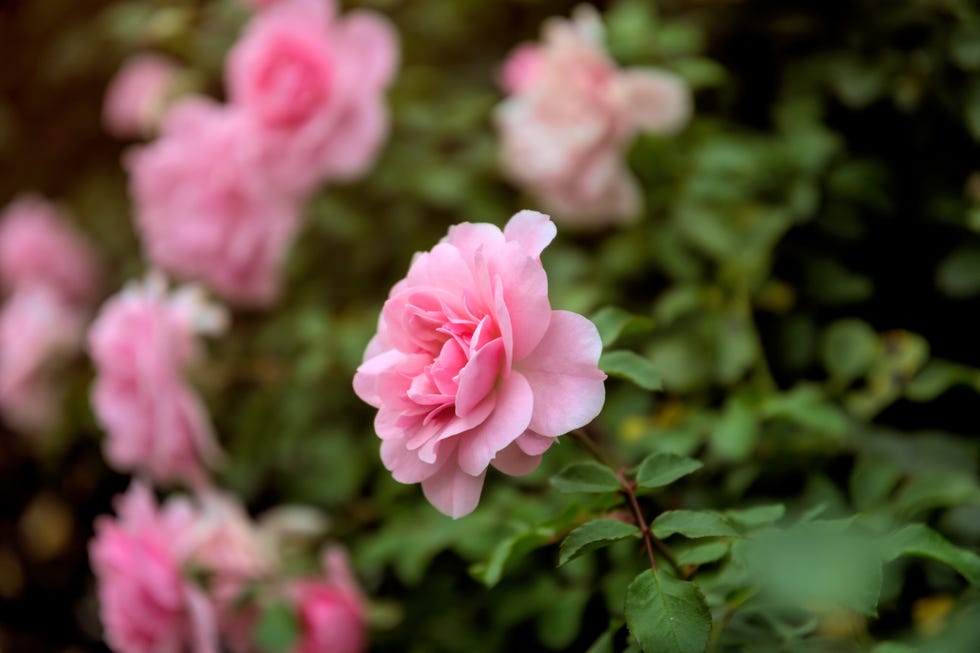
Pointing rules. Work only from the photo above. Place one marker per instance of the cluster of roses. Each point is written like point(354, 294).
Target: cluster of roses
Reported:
point(48, 280)
point(470, 367)
point(218, 198)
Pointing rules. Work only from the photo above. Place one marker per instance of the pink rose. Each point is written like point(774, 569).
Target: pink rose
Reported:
point(36, 329)
point(137, 95)
point(331, 610)
point(205, 210)
point(313, 84)
point(471, 366)
point(146, 602)
point(141, 343)
point(571, 115)
point(38, 246)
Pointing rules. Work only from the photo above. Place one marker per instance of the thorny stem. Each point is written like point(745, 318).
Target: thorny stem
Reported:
point(628, 489)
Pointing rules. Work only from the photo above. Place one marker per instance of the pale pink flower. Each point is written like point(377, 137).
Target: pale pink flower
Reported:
point(37, 329)
point(471, 366)
point(142, 342)
point(313, 84)
point(330, 610)
point(39, 246)
point(147, 604)
point(572, 113)
point(137, 95)
point(206, 210)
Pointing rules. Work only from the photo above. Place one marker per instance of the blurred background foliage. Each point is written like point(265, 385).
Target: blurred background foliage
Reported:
point(804, 280)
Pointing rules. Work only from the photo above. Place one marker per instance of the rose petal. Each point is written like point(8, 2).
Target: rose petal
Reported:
point(478, 377)
point(452, 491)
point(508, 421)
point(532, 230)
point(564, 377)
point(655, 100)
point(513, 461)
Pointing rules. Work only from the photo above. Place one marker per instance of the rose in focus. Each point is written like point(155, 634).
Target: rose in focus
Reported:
point(571, 114)
point(471, 367)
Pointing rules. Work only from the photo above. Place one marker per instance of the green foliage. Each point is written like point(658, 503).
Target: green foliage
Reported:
point(659, 469)
point(630, 366)
point(594, 535)
point(277, 628)
point(586, 476)
point(666, 614)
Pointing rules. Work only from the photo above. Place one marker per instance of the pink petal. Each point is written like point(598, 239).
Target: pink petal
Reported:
point(478, 377)
point(404, 465)
point(521, 68)
point(371, 44)
point(513, 461)
point(564, 375)
point(655, 100)
point(525, 293)
point(534, 444)
point(452, 491)
point(510, 418)
point(532, 230)
point(356, 138)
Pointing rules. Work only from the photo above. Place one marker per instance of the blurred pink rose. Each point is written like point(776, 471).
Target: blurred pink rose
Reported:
point(36, 328)
point(571, 115)
point(313, 84)
point(471, 367)
point(38, 246)
point(147, 605)
point(137, 95)
point(331, 610)
point(142, 342)
point(205, 210)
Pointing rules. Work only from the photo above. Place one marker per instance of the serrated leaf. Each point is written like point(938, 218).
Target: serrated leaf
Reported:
point(613, 323)
point(511, 549)
point(692, 523)
point(701, 552)
point(920, 540)
point(632, 367)
point(277, 628)
point(594, 535)
point(588, 476)
point(659, 469)
point(756, 516)
point(666, 614)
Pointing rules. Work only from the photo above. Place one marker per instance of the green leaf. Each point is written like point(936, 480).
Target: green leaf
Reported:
point(849, 348)
point(757, 516)
point(277, 629)
point(511, 549)
point(588, 476)
point(632, 367)
point(692, 523)
point(958, 276)
point(813, 565)
point(736, 433)
point(920, 540)
point(613, 322)
point(666, 614)
point(700, 552)
point(659, 469)
point(594, 535)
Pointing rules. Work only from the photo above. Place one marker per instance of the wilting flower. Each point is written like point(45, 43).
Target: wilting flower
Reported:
point(313, 85)
point(36, 329)
point(471, 366)
point(137, 95)
point(38, 246)
point(571, 115)
point(142, 343)
point(206, 210)
point(147, 604)
point(330, 610)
